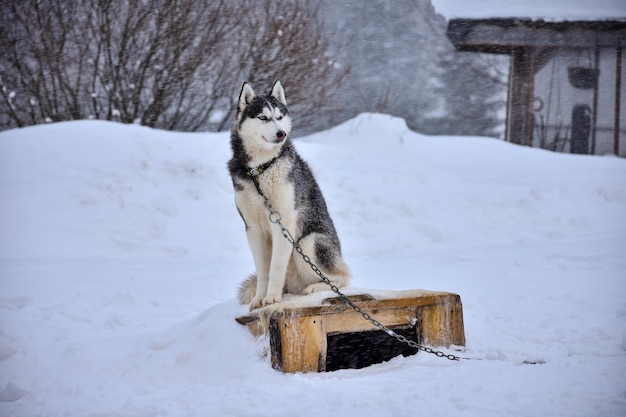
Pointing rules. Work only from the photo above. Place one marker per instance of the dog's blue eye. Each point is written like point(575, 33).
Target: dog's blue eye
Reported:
point(264, 118)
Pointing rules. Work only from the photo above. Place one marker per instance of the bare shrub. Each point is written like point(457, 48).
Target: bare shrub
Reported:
point(170, 64)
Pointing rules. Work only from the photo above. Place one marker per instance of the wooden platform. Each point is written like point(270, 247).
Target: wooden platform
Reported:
point(324, 335)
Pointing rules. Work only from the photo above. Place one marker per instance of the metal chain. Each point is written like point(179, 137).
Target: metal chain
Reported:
point(276, 218)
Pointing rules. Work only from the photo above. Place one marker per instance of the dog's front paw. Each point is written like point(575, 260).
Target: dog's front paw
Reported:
point(272, 299)
point(257, 302)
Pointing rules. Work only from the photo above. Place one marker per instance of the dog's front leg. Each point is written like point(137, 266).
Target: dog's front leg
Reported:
point(281, 253)
point(260, 246)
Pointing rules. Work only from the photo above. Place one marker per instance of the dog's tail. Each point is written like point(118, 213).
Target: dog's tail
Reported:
point(247, 290)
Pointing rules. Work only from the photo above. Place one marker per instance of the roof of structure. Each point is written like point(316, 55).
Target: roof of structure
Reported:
point(545, 10)
point(503, 34)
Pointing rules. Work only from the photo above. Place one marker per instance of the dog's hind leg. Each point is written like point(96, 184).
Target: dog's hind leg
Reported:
point(327, 257)
point(339, 280)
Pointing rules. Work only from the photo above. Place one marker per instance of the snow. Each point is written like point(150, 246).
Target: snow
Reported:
point(121, 250)
point(552, 10)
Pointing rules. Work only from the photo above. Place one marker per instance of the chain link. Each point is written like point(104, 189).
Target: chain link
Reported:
point(276, 218)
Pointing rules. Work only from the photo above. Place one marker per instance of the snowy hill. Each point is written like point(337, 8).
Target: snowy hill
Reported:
point(121, 249)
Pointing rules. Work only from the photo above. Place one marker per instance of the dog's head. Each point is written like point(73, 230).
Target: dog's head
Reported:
point(263, 121)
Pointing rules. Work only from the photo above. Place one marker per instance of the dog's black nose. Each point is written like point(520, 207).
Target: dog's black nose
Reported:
point(281, 135)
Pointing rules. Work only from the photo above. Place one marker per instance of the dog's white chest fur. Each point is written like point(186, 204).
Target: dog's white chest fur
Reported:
point(279, 192)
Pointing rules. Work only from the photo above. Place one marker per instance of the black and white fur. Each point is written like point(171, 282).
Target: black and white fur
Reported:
point(259, 134)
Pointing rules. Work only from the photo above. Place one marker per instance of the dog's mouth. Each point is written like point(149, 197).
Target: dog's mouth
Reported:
point(278, 139)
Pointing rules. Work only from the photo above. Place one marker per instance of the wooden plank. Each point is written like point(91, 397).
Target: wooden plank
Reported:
point(503, 35)
point(253, 324)
point(352, 321)
point(428, 298)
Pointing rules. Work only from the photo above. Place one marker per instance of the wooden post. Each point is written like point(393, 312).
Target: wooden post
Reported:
point(530, 97)
point(509, 102)
point(618, 93)
point(441, 326)
point(594, 120)
point(302, 344)
point(521, 92)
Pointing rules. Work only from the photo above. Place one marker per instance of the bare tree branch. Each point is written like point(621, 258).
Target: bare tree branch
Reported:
point(170, 64)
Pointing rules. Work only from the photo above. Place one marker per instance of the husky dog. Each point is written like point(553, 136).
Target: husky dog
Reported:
point(265, 161)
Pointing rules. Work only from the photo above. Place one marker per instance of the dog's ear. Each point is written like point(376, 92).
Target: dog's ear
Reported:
point(245, 97)
point(278, 93)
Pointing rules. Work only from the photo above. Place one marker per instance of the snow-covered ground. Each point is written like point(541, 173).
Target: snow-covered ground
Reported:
point(121, 251)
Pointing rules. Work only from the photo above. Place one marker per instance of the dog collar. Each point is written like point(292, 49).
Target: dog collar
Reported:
point(255, 172)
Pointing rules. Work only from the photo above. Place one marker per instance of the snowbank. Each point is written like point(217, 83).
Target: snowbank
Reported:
point(121, 251)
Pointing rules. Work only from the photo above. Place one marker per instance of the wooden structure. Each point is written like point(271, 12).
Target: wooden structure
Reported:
point(565, 88)
point(329, 335)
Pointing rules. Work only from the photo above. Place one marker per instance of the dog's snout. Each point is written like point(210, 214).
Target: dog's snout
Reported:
point(281, 134)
